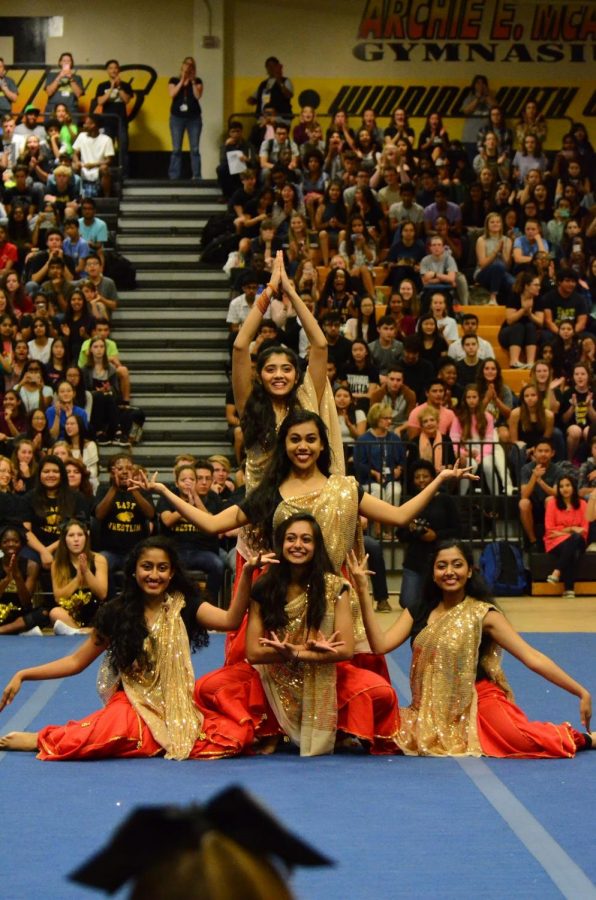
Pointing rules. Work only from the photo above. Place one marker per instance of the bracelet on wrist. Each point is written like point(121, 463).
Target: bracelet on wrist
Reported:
point(263, 302)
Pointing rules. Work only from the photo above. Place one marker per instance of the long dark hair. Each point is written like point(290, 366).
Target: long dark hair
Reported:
point(261, 502)
point(271, 590)
point(83, 431)
point(373, 331)
point(31, 432)
point(482, 383)
point(477, 587)
point(65, 498)
point(466, 417)
point(80, 392)
point(121, 621)
point(575, 498)
point(328, 289)
point(258, 421)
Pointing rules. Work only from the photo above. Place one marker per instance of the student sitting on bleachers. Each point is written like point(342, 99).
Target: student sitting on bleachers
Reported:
point(197, 549)
point(567, 520)
point(577, 414)
point(379, 456)
point(538, 479)
point(493, 255)
point(469, 325)
point(124, 516)
point(523, 318)
point(467, 368)
point(18, 584)
point(475, 442)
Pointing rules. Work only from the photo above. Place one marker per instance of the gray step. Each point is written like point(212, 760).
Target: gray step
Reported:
point(149, 298)
point(176, 358)
point(184, 428)
point(161, 455)
point(204, 277)
point(170, 316)
point(169, 191)
point(172, 382)
point(216, 290)
point(170, 224)
point(151, 257)
point(156, 207)
point(138, 242)
point(202, 339)
point(180, 404)
point(152, 277)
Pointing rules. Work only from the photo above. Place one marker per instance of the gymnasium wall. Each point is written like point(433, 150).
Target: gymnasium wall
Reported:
point(420, 54)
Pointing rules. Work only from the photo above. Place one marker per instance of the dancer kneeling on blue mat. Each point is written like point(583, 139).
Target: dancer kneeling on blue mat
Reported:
point(146, 679)
point(462, 704)
point(302, 683)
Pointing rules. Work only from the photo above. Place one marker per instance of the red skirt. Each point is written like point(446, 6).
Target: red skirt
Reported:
point(117, 730)
point(366, 704)
point(504, 729)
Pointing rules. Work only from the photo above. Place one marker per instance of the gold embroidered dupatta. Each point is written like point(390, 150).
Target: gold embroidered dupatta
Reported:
point(335, 507)
point(442, 718)
point(162, 691)
point(303, 695)
point(257, 459)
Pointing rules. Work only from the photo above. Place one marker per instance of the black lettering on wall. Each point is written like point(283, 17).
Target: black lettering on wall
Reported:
point(29, 33)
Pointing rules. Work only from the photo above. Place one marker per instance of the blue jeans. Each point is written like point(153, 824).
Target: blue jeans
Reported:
point(494, 277)
point(377, 564)
point(411, 588)
point(178, 125)
point(206, 561)
point(115, 563)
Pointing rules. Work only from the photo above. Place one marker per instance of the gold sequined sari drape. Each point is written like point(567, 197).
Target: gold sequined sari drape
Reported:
point(303, 695)
point(257, 458)
point(442, 718)
point(335, 507)
point(162, 691)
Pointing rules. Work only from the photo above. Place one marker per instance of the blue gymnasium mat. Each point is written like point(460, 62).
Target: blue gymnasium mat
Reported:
point(397, 827)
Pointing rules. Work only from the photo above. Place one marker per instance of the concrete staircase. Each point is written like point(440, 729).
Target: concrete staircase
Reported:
point(171, 330)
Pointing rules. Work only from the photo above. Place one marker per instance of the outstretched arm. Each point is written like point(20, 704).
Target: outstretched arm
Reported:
point(211, 616)
point(498, 628)
point(380, 641)
point(317, 358)
point(241, 368)
point(386, 514)
point(59, 668)
point(226, 520)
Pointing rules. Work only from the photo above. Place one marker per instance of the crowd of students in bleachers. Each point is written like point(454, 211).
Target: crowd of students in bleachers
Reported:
point(65, 392)
point(386, 235)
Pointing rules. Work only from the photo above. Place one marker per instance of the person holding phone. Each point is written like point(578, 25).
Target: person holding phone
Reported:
point(64, 86)
point(185, 91)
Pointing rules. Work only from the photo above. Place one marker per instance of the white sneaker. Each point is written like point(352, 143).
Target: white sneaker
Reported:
point(63, 629)
point(33, 632)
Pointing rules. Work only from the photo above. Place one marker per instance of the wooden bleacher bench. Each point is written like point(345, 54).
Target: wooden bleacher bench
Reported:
point(541, 565)
point(487, 315)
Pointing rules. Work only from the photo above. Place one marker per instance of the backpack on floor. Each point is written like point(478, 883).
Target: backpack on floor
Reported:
point(121, 271)
point(217, 251)
point(503, 569)
point(216, 226)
